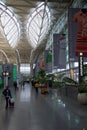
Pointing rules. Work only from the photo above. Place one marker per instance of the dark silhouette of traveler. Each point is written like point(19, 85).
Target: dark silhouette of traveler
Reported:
point(7, 94)
point(50, 83)
point(23, 84)
point(36, 86)
point(15, 85)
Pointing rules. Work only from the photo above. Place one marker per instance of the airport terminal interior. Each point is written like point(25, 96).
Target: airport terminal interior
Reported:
point(43, 65)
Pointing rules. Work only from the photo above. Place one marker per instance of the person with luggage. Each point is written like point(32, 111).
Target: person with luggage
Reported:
point(8, 96)
point(11, 102)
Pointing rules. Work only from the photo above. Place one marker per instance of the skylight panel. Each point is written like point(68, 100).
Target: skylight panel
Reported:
point(38, 22)
point(33, 32)
point(34, 39)
point(9, 21)
point(8, 30)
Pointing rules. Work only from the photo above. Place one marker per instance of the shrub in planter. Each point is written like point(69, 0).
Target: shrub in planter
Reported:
point(82, 93)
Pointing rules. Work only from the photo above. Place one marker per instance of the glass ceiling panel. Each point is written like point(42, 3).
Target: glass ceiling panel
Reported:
point(0, 11)
point(5, 17)
point(33, 32)
point(12, 41)
point(35, 28)
point(2, 6)
point(38, 24)
point(11, 36)
point(43, 31)
point(38, 20)
point(10, 27)
point(34, 39)
point(9, 21)
point(8, 30)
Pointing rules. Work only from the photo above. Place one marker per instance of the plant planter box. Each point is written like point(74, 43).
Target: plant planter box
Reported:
point(82, 98)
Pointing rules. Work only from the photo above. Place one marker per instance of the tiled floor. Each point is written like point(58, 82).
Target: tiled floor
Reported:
point(34, 111)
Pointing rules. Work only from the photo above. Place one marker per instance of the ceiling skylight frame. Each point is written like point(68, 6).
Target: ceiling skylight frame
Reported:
point(31, 19)
point(12, 21)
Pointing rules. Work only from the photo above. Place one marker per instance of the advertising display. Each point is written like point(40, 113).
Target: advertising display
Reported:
point(14, 73)
point(40, 64)
point(48, 61)
point(77, 30)
point(59, 51)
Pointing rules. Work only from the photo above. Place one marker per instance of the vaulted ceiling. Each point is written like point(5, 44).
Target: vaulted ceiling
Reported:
point(22, 8)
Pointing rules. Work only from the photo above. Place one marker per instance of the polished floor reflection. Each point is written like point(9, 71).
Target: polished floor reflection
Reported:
point(34, 111)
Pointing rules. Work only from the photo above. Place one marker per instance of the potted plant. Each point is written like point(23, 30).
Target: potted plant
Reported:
point(69, 81)
point(43, 80)
point(57, 81)
point(82, 92)
point(82, 88)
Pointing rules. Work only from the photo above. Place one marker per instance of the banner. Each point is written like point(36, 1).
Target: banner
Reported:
point(42, 63)
point(77, 32)
point(48, 61)
point(37, 66)
point(36, 69)
point(59, 51)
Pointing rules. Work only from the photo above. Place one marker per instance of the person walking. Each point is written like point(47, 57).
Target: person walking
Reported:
point(7, 94)
point(36, 86)
point(15, 85)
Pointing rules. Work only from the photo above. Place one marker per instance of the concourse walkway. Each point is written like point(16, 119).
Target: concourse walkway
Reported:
point(34, 111)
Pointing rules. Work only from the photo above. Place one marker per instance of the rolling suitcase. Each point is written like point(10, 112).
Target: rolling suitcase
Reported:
point(11, 102)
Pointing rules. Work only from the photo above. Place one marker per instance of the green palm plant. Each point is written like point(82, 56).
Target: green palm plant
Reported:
point(42, 76)
point(68, 80)
point(57, 83)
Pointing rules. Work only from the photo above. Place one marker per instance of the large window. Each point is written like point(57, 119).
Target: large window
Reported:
point(25, 68)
